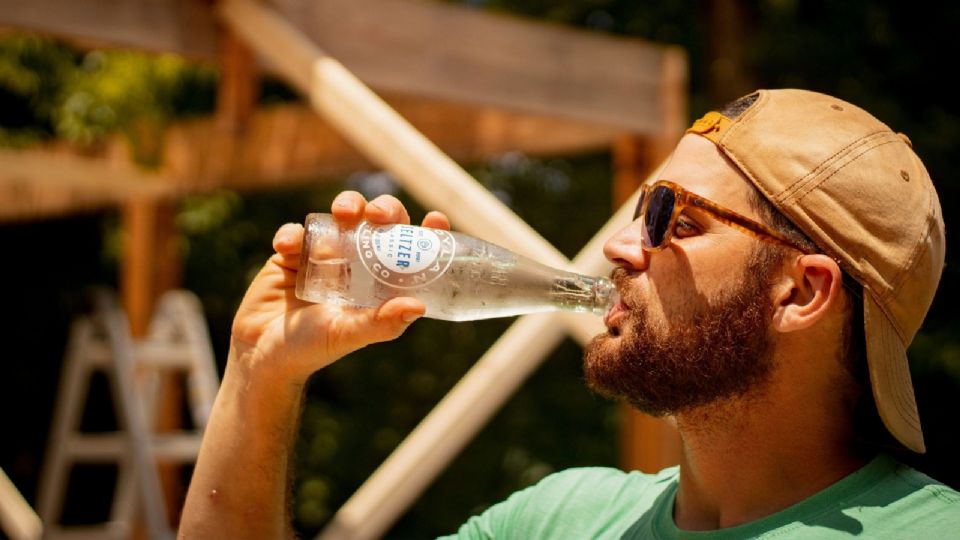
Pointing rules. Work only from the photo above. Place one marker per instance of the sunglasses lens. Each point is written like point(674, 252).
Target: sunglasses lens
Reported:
point(656, 220)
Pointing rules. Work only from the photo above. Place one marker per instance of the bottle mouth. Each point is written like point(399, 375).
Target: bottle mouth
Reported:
point(605, 296)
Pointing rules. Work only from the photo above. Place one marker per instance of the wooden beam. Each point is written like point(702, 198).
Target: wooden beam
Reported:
point(428, 49)
point(291, 144)
point(279, 146)
point(458, 53)
point(37, 183)
point(184, 27)
point(238, 88)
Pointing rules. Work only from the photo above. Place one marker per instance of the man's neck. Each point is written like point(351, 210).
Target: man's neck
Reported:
point(743, 462)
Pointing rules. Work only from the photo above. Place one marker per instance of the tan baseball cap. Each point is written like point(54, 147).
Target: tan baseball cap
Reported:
point(858, 191)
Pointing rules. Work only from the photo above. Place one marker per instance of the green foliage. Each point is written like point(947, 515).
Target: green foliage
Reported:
point(32, 74)
point(50, 90)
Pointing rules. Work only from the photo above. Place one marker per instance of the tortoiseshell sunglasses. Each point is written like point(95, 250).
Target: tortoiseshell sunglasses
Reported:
point(662, 202)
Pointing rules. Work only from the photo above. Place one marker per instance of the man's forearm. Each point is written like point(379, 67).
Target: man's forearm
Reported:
point(239, 487)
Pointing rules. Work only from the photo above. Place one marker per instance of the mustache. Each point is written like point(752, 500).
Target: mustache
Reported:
point(619, 276)
point(621, 280)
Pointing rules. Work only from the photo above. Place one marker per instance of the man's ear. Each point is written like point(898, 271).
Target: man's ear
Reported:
point(810, 288)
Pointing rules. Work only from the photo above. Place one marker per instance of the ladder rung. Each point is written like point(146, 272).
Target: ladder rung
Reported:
point(100, 531)
point(158, 355)
point(164, 355)
point(108, 447)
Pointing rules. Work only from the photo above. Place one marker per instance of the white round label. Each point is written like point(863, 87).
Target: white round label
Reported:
point(403, 255)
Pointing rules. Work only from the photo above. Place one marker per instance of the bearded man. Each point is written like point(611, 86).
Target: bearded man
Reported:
point(770, 284)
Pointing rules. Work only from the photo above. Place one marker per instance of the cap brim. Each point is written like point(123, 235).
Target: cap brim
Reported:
point(890, 377)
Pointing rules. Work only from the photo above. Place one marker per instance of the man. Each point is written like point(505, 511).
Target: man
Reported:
point(772, 280)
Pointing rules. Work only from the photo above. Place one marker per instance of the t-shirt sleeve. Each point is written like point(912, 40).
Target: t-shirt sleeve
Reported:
point(496, 520)
point(560, 504)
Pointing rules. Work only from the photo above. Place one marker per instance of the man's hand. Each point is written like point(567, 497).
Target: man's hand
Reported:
point(279, 336)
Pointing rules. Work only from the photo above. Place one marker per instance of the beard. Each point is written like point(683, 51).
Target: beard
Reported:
point(710, 351)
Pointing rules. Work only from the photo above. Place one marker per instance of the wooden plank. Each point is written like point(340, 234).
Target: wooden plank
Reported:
point(458, 53)
point(280, 146)
point(184, 27)
point(38, 183)
point(290, 144)
point(421, 48)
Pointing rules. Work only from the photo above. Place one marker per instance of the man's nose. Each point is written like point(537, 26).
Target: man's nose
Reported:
point(624, 248)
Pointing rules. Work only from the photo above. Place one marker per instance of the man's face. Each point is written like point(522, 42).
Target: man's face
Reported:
point(693, 324)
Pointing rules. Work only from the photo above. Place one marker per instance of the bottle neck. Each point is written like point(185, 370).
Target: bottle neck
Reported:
point(576, 292)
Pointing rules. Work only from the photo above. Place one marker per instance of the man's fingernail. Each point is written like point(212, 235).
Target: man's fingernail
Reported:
point(410, 316)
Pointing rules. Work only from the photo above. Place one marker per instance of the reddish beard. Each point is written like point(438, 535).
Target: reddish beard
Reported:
point(713, 350)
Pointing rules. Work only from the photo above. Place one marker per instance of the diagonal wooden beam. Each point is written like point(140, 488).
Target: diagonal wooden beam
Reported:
point(460, 415)
point(18, 520)
point(382, 135)
point(438, 182)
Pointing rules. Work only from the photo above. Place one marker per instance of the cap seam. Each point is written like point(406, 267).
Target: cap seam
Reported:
point(789, 210)
point(882, 304)
point(918, 250)
point(897, 282)
point(810, 181)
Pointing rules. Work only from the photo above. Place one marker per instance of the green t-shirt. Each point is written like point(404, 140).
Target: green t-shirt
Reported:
point(884, 499)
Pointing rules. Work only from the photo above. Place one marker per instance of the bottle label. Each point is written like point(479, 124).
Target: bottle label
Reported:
point(404, 256)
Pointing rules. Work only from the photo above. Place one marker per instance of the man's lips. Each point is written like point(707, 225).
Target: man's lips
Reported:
point(615, 313)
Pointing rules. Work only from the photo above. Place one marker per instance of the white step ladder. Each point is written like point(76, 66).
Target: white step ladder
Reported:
point(177, 339)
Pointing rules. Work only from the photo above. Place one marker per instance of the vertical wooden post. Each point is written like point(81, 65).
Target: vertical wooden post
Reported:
point(649, 444)
point(151, 259)
point(237, 91)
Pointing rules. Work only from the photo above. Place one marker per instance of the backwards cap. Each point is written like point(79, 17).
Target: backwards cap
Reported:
point(858, 191)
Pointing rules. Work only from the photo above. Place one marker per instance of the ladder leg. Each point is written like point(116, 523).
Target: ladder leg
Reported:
point(134, 418)
point(74, 381)
point(202, 379)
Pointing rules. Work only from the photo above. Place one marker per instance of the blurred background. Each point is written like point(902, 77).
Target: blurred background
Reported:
point(891, 58)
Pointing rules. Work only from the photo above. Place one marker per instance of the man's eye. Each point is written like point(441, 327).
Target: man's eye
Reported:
point(684, 228)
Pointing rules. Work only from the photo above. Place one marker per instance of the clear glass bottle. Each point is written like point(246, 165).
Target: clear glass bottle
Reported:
point(458, 277)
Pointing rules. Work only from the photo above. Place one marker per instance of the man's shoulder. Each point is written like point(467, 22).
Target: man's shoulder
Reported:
point(605, 479)
point(921, 493)
point(586, 502)
point(592, 490)
point(904, 501)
